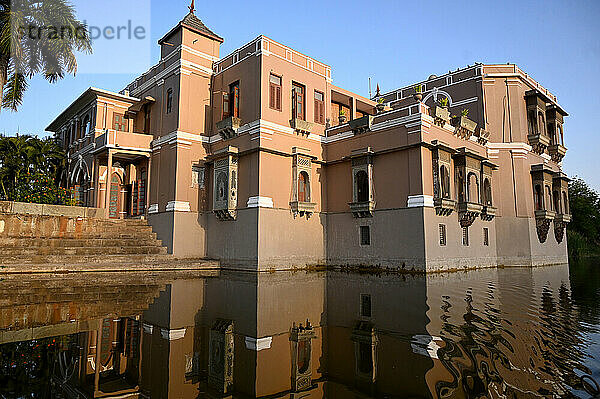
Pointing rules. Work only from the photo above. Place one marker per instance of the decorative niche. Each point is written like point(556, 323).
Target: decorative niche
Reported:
point(301, 203)
point(225, 183)
point(221, 356)
point(301, 340)
point(442, 165)
point(363, 203)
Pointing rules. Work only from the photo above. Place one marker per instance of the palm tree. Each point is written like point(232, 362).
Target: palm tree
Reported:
point(21, 155)
point(26, 51)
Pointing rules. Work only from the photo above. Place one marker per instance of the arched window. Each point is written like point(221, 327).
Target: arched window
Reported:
point(560, 139)
point(541, 124)
point(473, 188)
point(303, 187)
point(445, 181)
point(362, 186)
point(556, 199)
point(222, 186)
point(552, 134)
point(531, 123)
point(548, 199)
point(460, 187)
point(487, 192)
point(565, 203)
point(169, 101)
point(537, 197)
point(303, 355)
point(86, 126)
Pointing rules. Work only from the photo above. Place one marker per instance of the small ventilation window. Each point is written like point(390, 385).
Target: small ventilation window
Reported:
point(365, 235)
point(465, 236)
point(443, 235)
point(486, 236)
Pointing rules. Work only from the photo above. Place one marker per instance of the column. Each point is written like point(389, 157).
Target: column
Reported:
point(108, 181)
point(148, 169)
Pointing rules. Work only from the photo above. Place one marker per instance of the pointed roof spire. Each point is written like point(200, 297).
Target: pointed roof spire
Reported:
point(378, 93)
point(192, 8)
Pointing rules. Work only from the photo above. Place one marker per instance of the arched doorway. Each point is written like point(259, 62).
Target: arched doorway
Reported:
point(114, 206)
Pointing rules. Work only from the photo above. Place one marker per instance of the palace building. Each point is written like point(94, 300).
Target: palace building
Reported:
point(258, 160)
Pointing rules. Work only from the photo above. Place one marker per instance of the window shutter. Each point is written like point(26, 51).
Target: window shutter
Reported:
point(317, 108)
point(278, 98)
point(271, 95)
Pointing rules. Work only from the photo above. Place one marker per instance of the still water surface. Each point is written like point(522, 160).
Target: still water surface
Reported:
point(514, 333)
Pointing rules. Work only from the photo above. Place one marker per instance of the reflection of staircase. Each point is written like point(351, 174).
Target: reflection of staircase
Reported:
point(37, 243)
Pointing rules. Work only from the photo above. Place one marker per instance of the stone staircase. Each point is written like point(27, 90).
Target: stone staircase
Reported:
point(33, 242)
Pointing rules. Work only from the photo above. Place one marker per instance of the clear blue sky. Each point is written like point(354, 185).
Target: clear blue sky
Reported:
point(396, 43)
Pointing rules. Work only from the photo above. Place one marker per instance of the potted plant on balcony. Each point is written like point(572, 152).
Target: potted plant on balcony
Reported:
point(342, 116)
point(465, 126)
point(418, 92)
point(440, 112)
point(380, 106)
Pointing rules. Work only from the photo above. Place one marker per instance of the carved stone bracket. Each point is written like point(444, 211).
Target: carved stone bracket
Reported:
point(557, 152)
point(302, 208)
point(225, 214)
point(542, 226)
point(301, 126)
point(441, 115)
point(444, 206)
point(559, 231)
point(538, 142)
point(362, 209)
point(361, 125)
point(560, 223)
point(468, 212)
point(488, 213)
point(542, 223)
point(228, 127)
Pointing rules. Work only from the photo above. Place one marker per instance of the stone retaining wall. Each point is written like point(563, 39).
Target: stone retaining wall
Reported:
point(12, 207)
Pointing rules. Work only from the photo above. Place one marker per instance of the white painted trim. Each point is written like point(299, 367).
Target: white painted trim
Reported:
point(258, 344)
point(417, 201)
point(260, 202)
point(148, 328)
point(172, 335)
point(153, 208)
point(180, 206)
point(509, 146)
point(425, 345)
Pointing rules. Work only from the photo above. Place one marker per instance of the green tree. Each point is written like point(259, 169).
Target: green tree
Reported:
point(31, 170)
point(584, 204)
point(23, 55)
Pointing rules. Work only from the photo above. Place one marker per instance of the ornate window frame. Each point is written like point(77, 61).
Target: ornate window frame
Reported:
point(301, 162)
point(225, 183)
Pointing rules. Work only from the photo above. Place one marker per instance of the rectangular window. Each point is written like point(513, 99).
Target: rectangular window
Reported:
point(226, 105)
point(169, 101)
point(319, 107)
point(120, 123)
point(147, 119)
point(365, 235)
point(297, 101)
point(465, 236)
point(234, 99)
point(365, 305)
point(486, 236)
point(442, 235)
point(275, 92)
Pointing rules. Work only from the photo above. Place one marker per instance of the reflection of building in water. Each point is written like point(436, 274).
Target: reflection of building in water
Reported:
point(331, 334)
